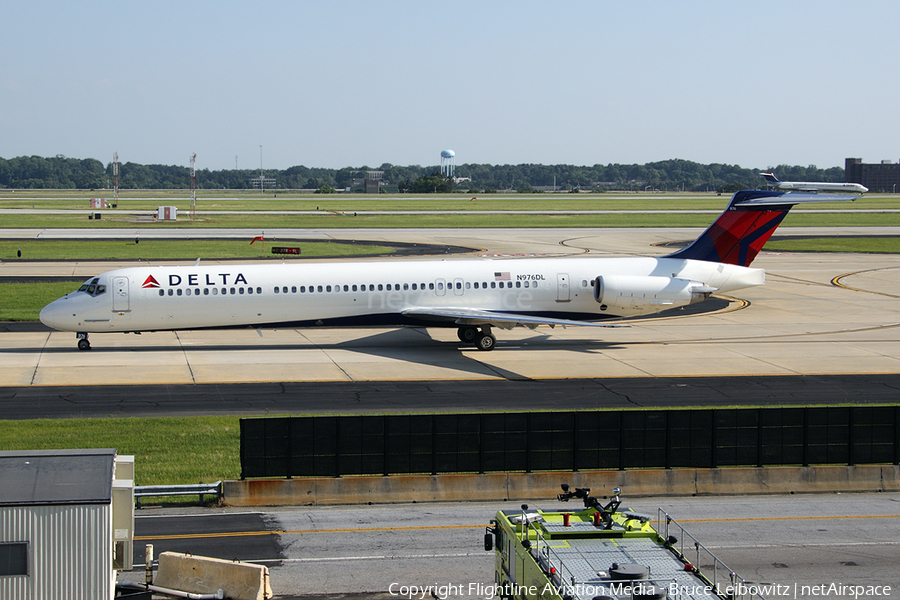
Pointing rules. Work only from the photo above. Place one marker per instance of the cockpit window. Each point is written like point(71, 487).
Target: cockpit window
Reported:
point(92, 287)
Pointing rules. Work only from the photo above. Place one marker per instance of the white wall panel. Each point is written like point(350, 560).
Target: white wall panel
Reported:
point(69, 551)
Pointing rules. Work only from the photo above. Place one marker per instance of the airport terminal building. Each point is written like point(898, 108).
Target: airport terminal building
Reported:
point(881, 177)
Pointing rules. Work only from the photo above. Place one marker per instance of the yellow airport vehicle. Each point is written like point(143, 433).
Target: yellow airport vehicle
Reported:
point(604, 553)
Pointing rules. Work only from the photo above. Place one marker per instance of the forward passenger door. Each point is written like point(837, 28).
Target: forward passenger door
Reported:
point(121, 301)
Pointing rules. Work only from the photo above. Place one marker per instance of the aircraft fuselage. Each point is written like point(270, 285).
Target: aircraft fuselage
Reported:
point(386, 292)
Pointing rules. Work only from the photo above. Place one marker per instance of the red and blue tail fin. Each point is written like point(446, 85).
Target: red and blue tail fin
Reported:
point(751, 218)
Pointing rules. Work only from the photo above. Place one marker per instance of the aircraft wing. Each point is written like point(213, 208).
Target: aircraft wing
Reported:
point(503, 320)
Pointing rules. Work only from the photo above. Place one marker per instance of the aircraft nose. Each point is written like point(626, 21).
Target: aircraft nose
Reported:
point(48, 315)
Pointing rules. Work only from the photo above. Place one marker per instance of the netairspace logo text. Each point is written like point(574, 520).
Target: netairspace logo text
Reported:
point(776, 590)
point(444, 591)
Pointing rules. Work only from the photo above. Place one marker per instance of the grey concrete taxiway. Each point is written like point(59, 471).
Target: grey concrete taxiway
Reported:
point(817, 314)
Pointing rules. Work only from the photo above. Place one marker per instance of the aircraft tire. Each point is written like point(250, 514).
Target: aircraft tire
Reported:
point(468, 335)
point(486, 342)
point(84, 345)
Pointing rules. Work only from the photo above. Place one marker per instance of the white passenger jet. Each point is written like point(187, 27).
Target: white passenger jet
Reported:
point(807, 186)
point(472, 295)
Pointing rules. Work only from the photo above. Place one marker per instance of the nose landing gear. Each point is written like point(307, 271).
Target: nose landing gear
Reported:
point(83, 343)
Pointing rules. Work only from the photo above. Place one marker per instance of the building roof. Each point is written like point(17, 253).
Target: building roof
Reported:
point(36, 477)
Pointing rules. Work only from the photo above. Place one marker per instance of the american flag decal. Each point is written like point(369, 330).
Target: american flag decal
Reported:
point(504, 276)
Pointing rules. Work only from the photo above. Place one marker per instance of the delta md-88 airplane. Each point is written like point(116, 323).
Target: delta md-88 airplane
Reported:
point(472, 295)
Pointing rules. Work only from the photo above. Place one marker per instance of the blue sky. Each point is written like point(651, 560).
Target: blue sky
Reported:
point(335, 84)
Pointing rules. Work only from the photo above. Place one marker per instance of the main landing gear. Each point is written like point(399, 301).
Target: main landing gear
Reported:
point(483, 339)
point(83, 343)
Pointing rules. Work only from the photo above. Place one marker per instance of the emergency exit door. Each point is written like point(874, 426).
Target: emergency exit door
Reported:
point(562, 287)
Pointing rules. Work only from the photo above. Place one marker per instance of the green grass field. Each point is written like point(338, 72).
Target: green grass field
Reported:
point(337, 210)
point(174, 450)
point(866, 245)
point(472, 220)
point(23, 301)
point(154, 249)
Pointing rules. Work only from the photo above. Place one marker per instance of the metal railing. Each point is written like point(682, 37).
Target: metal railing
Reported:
point(196, 489)
point(552, 564)
point(731, 585)
point(560, 576)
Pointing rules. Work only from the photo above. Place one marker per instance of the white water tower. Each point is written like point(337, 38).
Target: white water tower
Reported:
point(448, 162)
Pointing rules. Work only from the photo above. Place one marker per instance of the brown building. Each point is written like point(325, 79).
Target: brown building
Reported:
point(879, 177)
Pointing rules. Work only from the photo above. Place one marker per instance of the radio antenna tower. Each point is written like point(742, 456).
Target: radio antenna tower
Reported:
point(193, 187)
point(116, 179)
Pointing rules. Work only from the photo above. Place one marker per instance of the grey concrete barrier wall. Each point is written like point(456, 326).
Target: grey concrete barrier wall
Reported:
point(528, 486)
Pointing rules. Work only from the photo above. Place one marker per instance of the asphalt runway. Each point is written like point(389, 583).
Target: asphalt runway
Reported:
point(501, 395)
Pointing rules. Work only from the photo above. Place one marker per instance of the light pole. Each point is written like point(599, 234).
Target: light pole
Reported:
point(261, 184)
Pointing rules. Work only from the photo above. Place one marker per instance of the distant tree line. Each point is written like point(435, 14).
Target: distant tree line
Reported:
point(60, 172)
